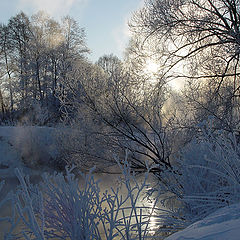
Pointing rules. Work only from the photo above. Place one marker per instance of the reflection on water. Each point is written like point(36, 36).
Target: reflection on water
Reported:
point(146, 208)
point(153, 219)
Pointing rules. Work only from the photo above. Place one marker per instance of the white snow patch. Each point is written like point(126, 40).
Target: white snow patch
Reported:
point(224, 224)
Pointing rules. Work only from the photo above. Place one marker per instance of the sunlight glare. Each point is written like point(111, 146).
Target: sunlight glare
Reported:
point(151, 67)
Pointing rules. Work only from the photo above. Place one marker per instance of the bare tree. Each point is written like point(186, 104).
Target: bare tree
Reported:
point(194, 30)
point(37, 55)
point(197, 40)
point(117, 114)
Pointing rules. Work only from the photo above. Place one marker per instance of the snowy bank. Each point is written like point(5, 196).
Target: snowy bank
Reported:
point(224, 224)
point(21, 145)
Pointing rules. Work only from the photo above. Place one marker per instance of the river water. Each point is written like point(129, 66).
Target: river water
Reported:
point(107, 182)
point(13, 140)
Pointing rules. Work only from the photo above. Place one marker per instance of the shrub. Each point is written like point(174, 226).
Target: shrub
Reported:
point(61, 209)
point(206, 177)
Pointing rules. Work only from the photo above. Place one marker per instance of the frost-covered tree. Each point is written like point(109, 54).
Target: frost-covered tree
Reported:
point(38, 53)
point(196, 41)
point(112, 109)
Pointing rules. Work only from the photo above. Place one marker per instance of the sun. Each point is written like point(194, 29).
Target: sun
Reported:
point(151, 70)
point(151, 67)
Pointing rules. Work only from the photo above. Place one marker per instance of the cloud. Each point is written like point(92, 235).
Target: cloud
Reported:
point(55, 8)
point(122, 33)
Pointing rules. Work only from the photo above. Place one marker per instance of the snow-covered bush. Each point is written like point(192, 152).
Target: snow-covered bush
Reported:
point(41, 114)
point(211, 172)
point(22, 207)
point(61, 208)
point(86, 143)
point(206, 177)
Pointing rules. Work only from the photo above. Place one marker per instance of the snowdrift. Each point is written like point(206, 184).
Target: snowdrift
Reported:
point(224, 224)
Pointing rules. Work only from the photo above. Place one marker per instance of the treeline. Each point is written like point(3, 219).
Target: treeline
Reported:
point(114, 105)
point(37, 54)
point(45, 73)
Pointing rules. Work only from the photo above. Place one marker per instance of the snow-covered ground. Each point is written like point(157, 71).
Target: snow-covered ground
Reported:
point(9, 156)
point(19, 144)
point(224, 224)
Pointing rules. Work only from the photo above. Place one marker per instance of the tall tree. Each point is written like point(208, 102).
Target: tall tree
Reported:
point(19, 37)
point(202, 36)
point(7, 62)
point(38, 55)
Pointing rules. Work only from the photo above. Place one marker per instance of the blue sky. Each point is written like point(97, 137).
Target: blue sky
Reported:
point(105, 21)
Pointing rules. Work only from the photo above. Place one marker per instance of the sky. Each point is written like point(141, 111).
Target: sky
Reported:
point(105, 21)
